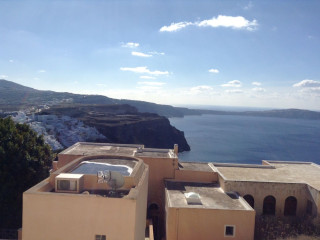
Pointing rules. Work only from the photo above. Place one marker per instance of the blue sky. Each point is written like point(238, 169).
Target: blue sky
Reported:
point(226, 53)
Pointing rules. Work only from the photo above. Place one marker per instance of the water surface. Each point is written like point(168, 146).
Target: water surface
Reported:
point(246, 139)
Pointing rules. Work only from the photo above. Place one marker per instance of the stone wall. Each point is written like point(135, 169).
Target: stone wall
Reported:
point(280, 191)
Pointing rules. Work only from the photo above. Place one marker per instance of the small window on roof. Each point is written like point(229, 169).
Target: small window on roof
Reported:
point(100, 237)
point(193, 198)
point(229, 230)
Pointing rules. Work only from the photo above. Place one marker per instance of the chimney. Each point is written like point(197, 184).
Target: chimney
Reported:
point(175, 149)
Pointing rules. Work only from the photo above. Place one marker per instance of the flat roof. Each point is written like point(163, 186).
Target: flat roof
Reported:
point(195, 166)
point(155, 153)
point(284, 172)
point(211, 195)
point(87, 149)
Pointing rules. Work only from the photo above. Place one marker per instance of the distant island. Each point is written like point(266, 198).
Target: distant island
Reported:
point(280, 113)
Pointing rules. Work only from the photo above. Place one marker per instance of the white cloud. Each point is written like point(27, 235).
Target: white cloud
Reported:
point(201, 89)
point(37, 79)
point(147, 77)
point(41, 71)
point(258, 89)
point(135, 69)
point(311, 90)
point(175, 26)
point(234, 91)
point(307, 83)
point(11, 60)
point(308, 86)
point(156, 53)
point(4, 76)
point(152, 83)
point(234, 83)
point(212, 70)
point(238, 22)
point(130, 45)
point(144, 70)
point(140, 54)
point(256, 83)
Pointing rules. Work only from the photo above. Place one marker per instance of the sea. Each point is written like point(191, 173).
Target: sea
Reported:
point(247, 139)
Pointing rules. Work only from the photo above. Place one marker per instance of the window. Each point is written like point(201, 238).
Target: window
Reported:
point(100, 237)
point(290, 206)
point(269, 205)
point(229, 230)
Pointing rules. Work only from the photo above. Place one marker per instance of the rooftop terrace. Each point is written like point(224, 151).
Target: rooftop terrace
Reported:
point(87, 149)
point(195, 166)
point(285, 172)
point(211, 195)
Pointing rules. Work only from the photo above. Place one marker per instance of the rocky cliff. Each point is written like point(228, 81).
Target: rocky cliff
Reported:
point(124, 124)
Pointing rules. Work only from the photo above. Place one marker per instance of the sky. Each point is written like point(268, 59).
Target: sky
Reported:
point(215, 52)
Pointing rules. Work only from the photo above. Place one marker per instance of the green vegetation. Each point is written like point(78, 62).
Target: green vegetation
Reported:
point(24, 161)
point(288, 228)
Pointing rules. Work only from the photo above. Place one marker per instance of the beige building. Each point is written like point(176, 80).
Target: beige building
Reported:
point(71, 204)
point(158, 197)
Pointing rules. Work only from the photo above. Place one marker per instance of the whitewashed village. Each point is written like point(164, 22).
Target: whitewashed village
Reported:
point(58, 131)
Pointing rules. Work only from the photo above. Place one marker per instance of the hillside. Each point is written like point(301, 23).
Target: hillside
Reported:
point(14, 96)
point(279, 113)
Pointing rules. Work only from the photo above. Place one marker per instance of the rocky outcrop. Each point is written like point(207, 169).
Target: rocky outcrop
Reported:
point(152, 132)
point(124, 124)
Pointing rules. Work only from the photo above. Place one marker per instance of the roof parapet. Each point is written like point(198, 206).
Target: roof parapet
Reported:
point(243, 165)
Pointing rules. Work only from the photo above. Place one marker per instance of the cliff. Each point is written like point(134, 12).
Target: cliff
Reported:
point(124, 124)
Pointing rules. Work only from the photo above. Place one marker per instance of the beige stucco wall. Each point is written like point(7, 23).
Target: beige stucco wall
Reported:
point(315, 198)
point(64, 159)
point(141, 205)
point(159, 169)
point(203, 224)
point(318, 206)
point(260, 190)
point(51, 216)
point(195, 176)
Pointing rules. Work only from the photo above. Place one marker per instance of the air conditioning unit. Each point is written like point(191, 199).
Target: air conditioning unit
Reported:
point(69, 183)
